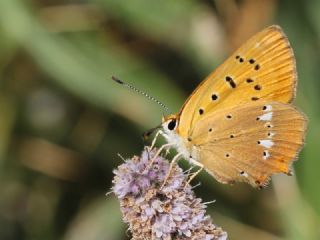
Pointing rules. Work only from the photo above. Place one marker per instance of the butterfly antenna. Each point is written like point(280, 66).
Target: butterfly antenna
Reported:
point(140, 92)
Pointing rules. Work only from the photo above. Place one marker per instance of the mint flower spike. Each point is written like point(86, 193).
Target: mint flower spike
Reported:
point(172, 212)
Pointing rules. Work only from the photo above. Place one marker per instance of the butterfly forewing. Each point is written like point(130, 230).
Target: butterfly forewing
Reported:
point(250, 142)
point(238, 123)
point(262, 69)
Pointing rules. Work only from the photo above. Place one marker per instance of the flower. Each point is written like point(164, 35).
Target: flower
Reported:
point(153, 211)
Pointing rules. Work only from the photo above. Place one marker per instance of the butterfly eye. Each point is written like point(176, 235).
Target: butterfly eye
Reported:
point(172, 124)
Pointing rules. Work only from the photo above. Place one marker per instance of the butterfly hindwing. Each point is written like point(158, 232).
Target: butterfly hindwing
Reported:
point(263, 69)
point(250, 142)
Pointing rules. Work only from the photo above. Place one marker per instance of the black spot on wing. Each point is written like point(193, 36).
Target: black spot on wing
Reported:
point(231, 82)
point(257, 87)
point(214, 97)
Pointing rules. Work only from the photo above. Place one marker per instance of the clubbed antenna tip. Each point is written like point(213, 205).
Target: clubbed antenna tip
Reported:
point(117, 80)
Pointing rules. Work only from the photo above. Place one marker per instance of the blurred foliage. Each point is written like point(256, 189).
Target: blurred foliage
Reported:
point(63, 121)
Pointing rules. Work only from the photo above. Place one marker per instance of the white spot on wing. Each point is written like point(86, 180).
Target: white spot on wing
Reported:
point(268, 108)
point(244, 174)
point(266, 116)
point(266, 154)
point(266, 143)
point(271, 134)
point(268, 125)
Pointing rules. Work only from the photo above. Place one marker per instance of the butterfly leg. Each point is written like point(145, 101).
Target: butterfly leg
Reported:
point(160, 132)
point(173, 162)
point(157, 154)
point(160, 150)
point(195, 173)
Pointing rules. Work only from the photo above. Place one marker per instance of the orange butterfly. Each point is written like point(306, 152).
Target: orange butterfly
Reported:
point(238, 123)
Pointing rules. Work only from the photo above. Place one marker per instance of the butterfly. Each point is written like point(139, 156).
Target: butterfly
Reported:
point(238, 124)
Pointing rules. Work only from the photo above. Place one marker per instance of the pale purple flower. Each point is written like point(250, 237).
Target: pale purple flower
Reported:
point(152, 212)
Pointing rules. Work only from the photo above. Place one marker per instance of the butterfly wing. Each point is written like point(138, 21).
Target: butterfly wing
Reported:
point(262, 69)
point(249, 142)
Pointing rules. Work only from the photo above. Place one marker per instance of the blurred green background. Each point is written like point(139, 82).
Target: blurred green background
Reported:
point(63, 121)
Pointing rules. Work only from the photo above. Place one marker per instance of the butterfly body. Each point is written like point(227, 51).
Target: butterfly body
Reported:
point(238, 123)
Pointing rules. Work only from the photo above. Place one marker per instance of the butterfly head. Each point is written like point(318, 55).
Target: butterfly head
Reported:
point(170, 123)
